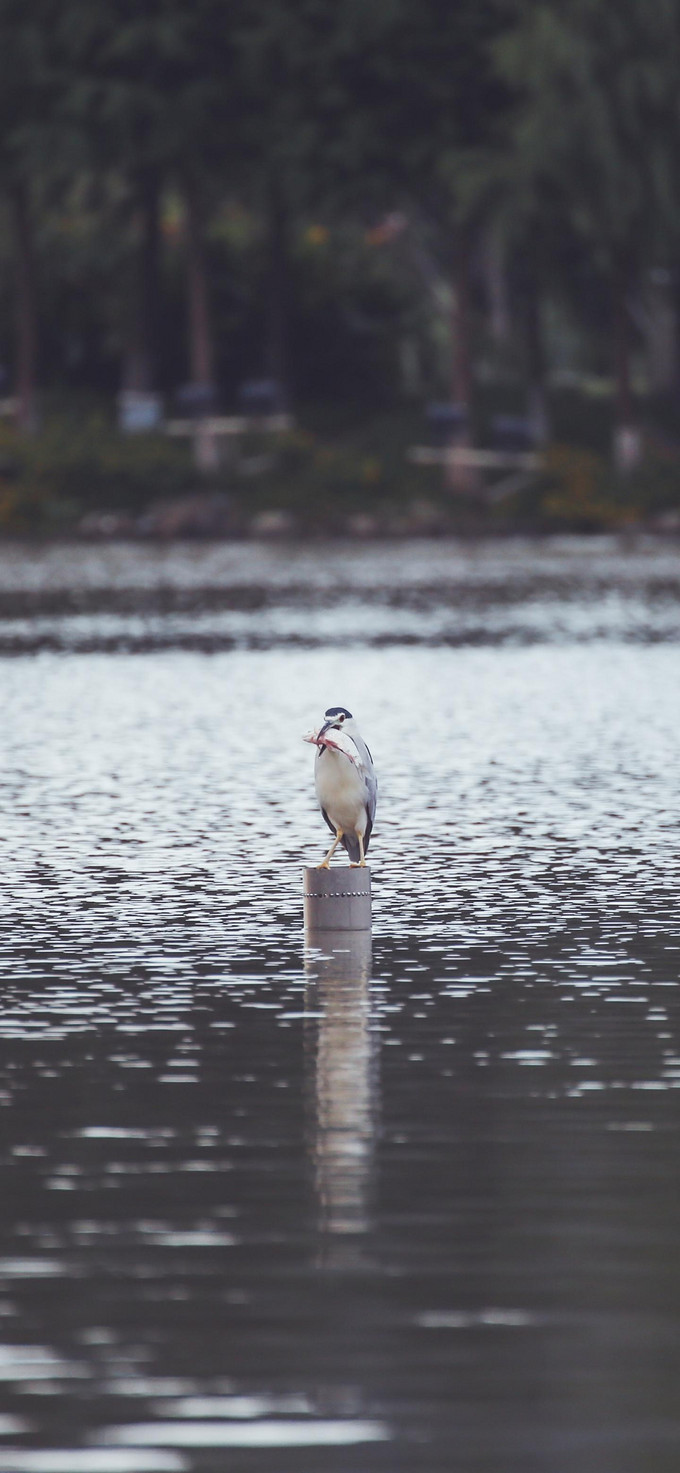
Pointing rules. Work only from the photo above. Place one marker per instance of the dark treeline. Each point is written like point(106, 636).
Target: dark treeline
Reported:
point(347, 198)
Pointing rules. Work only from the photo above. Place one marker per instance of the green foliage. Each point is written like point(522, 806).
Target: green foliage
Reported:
point(655, 488)
point(580, 496)
point(298, 127)
point(578, 492)
point(595, 126)
point(341, 465)
point(76, 464)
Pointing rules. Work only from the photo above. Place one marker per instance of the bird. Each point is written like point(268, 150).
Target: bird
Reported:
point(346, 784)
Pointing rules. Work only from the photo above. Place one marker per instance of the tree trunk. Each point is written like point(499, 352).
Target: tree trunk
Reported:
point(461, 364)
point(26, 312)
point(659, 316)
point(276, 346)
point(140, 372)
point(675, 390)
point(627, 446)
point(201, 356)
point(463, 479)
point(150, 275)
point(499, 318)
point(143, 357)
point(538, 407)
point(200, 334)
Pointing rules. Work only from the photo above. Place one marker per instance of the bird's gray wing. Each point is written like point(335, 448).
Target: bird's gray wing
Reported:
point(372, 786)
point(371, 800)
point(370, 777)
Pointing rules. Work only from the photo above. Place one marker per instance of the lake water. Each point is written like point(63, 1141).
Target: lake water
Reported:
point(277, 1207)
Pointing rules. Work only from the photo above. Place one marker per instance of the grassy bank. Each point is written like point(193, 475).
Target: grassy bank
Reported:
point(337, 473)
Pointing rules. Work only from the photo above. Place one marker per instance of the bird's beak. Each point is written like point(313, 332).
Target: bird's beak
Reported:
point(326, 727)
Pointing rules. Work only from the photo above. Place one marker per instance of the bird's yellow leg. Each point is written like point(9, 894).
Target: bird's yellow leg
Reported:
point(326, 863)
point(362, 862)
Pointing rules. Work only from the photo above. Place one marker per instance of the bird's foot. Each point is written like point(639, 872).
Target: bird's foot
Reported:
point(361, 865)
point(325, 864)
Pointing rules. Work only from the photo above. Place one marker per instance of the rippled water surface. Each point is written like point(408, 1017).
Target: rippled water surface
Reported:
point(276, 1206)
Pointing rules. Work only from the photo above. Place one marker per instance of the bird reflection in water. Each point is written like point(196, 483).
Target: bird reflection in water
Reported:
point(342, 1087)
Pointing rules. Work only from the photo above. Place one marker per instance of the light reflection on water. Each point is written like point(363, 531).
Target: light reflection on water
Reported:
point(413, 1212)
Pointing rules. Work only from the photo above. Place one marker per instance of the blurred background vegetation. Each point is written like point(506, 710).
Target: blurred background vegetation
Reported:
point(363, 209)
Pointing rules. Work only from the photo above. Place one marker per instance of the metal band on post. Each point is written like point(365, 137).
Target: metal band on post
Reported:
point(337, 899)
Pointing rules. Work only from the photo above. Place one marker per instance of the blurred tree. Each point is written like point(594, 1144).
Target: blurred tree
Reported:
point(591, 133)
point(151, 89)
point(439, 103)
point(555, 125)
point(303, 127)
point(27, 91)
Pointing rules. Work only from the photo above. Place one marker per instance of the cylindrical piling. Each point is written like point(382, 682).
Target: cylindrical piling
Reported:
point(337, 899)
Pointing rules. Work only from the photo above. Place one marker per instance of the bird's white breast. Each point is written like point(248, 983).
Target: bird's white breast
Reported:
point(341, 790)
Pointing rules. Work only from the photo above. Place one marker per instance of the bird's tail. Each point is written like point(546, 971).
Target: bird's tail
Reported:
point(351, 844)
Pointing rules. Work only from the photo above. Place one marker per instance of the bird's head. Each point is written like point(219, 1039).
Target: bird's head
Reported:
point(337, 718)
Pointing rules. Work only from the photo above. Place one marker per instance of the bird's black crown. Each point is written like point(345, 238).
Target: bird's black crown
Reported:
point(339, 711)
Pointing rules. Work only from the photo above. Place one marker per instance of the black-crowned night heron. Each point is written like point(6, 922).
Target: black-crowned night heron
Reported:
point(346, 784)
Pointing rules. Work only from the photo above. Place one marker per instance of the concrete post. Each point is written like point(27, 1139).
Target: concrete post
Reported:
point(337, 899)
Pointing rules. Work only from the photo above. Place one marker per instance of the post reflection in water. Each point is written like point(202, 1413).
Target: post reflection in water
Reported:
point(342, 1068)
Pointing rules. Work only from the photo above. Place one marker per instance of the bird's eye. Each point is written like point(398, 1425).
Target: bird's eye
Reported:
point(341, 718)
